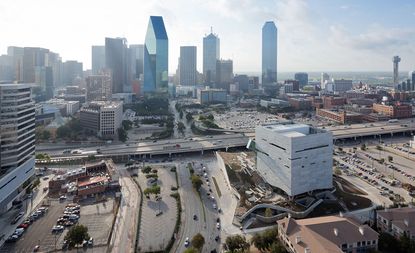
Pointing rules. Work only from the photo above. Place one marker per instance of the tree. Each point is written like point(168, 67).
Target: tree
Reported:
point(77, 234)
point(340, 149)
point(390, 158)
point(181, 127)
point(378, 147)
point(337, 172)
point(190, 250)
point(181, 114)
point(277, 248)
point(210, 117)
point(189, 117)
point(196, 181)
point(146, 169)
point(122, 135)
point(198, 241)
point(381, 160)
point(387, 242)
point(258, 242)
point(236, 243)
point(127, 125)
point(363, 147)
point(46, 135)
point(268, 212)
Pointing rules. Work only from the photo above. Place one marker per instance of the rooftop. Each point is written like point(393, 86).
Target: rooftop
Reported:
point(325, 234)
point(290, 129)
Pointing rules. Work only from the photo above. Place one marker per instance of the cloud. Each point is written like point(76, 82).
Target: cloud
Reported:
point(375, 39)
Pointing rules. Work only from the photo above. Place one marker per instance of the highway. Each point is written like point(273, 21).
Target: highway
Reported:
point(371, 129)
point(171, 146)
point(201, 207)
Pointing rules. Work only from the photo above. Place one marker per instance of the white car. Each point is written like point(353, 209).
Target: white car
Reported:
point(218, 225)
point(186, 242)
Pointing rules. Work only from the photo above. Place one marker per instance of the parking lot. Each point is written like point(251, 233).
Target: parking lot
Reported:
point(243, 119)
point(158, 216)
point(374, 168)
point(42, 229)
point(97, 217)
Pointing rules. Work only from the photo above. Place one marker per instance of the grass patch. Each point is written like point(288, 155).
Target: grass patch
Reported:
point(217, 187)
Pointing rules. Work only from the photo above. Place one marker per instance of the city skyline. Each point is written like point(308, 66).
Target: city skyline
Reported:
point(310, 33)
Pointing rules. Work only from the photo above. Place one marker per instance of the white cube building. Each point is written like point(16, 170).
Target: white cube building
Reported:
point(295, 158)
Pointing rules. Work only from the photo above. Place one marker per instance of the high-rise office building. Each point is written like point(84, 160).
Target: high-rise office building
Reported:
point(17, 53)
point(71, 71)
point(412, 78)
point(324, 77)
point(187, 66)
point(211, 54)
point(98, 58)
point(269, 53)
point(6, 68)
point(396, 60)
point(243, 82)
point(116, 60)
point(44, 78)
point(156, 56)
point(99, 87)
point(136, 53)
point(32, 57)
point(224, 74)
point(17, 146)
point(302, 78)
point(295, 158)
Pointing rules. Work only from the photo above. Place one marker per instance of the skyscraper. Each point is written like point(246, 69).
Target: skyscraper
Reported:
point(324, 77)
point(136, 53)
point(396, 60)
point(412, 78)
point(211, 54)
point(17, 146)
point(187, 66)
point(98, 58)
point(269, 53)
point(302, 78)
point(156, 56)
point(116, 61)
point(224, 74)
point(71, 71)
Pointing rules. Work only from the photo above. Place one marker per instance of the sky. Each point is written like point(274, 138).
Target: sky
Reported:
point(314, 35)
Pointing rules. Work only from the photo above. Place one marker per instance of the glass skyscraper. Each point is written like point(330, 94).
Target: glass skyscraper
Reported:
point(116, 60)
point(269, 53)
point(187, 66)
point(211, 53)
point(156, 56)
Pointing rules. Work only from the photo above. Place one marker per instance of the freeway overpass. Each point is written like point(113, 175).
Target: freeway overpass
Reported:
point(150, 149)
point(218, 142)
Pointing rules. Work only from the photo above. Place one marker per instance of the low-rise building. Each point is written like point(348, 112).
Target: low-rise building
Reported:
point(328, 234)
point(340, 116)
point(397, 111)
point(397, 221)
point(300, 103)
point(208, 96)
point(330, 102)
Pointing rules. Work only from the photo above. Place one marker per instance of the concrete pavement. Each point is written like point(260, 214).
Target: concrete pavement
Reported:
point(125, 228)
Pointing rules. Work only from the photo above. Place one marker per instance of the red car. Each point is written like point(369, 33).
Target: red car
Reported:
point(24, 225)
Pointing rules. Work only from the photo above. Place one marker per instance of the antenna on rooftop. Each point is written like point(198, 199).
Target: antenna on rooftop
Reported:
point(211, 29)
